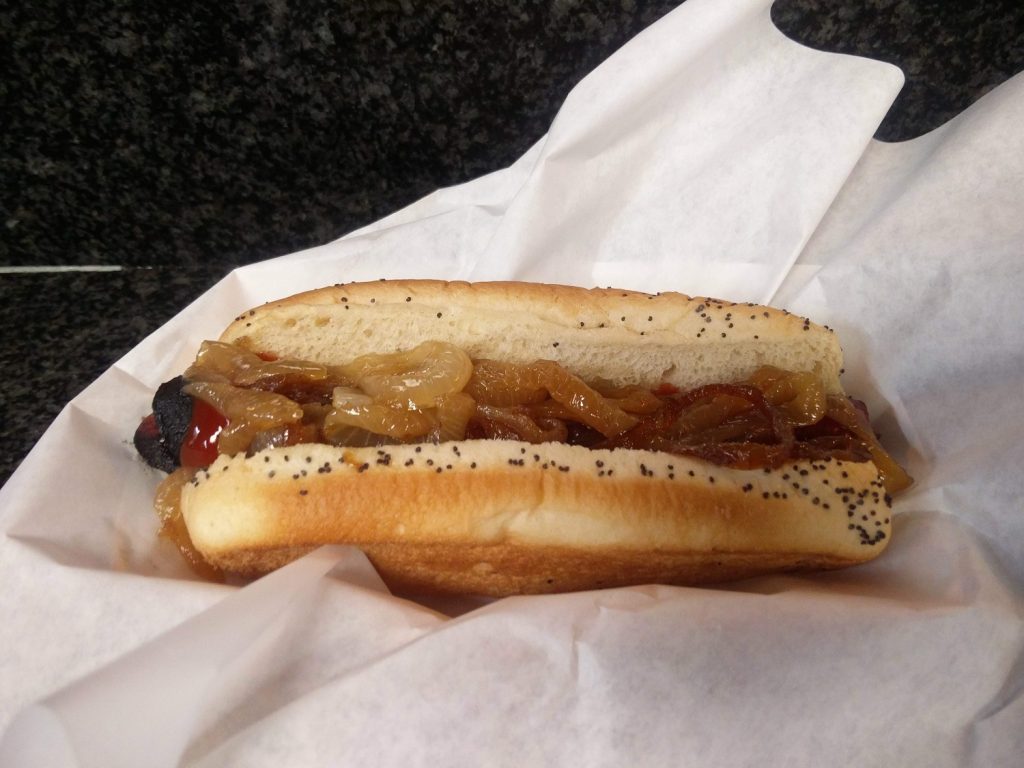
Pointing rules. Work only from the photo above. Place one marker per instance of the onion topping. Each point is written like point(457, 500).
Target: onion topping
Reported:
point(414, 379)
point(435, 392)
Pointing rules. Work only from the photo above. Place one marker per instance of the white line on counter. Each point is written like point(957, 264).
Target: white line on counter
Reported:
point(65, 268)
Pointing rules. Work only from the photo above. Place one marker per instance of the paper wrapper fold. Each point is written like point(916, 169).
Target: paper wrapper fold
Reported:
point(711, 156)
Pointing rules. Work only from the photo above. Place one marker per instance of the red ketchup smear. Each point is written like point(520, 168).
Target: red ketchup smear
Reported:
point(199, 448)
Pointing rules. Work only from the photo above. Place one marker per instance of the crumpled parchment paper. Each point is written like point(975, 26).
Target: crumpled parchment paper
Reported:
point(711, 156)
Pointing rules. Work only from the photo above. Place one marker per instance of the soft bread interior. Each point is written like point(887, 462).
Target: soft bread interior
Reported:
point(622, 336)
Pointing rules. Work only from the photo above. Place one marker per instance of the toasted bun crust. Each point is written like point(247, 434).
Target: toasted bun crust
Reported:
point(504, 517)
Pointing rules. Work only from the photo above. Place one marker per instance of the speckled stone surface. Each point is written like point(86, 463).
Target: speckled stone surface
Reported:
point(181, 143)
point(952, 54)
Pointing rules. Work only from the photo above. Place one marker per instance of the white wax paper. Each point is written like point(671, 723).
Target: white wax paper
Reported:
point(710, 156)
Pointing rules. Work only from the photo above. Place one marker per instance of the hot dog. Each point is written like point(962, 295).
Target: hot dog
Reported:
point(506, 438)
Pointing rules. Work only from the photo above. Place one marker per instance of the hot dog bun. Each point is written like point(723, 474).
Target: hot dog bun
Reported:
point(500, 517)
point(622, 336)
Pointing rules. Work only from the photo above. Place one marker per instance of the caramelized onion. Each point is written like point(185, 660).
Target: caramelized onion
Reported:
point(749, 426)
point(313, 413)
point(518, 421)
point(355, 437)
point(378, 418)
point(342, 397)
point(482, 428)
point(846, 414)
point(503, 384)
point(172, 525)
point(435, 392)
point(248, 411)
point(844, 447)
point(415, 378)
point(289, 434)
point(702, 416)
point(217, 361)
point(719, 440)
point(800, 394)
point(452, 415)
point(631, 399)
point(737, 455)
point(584, 403)
point(512, 384)
point(551, 410)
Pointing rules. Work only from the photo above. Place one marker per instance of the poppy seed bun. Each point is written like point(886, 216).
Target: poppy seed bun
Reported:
point(500, 517)
point(622, 336)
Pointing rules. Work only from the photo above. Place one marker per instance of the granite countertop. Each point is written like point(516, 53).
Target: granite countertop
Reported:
point(152, 150)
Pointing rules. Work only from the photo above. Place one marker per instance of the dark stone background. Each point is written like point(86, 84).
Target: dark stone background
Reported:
point(179, 143)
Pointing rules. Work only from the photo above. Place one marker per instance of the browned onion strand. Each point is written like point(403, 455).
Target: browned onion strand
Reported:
point(518, 420)
point(554, 430)
point(511, 384)
point(551, 410)
point(434, 392)
point(801, 394)
point(217, 361)
point(738, 455)
point(415, 378)
point(453, 414)
point(277, 437)
point(631, 399)
point(248, 411)
point(739, 428)
point(779, 425)
point(841, 410)
point(586, 405)
point(380, 418)
point(482, 428)
point(707, 415)
point(746, 427)
point(355, 437)
point(842, 447)
point(502, 384)
point(168, 508)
